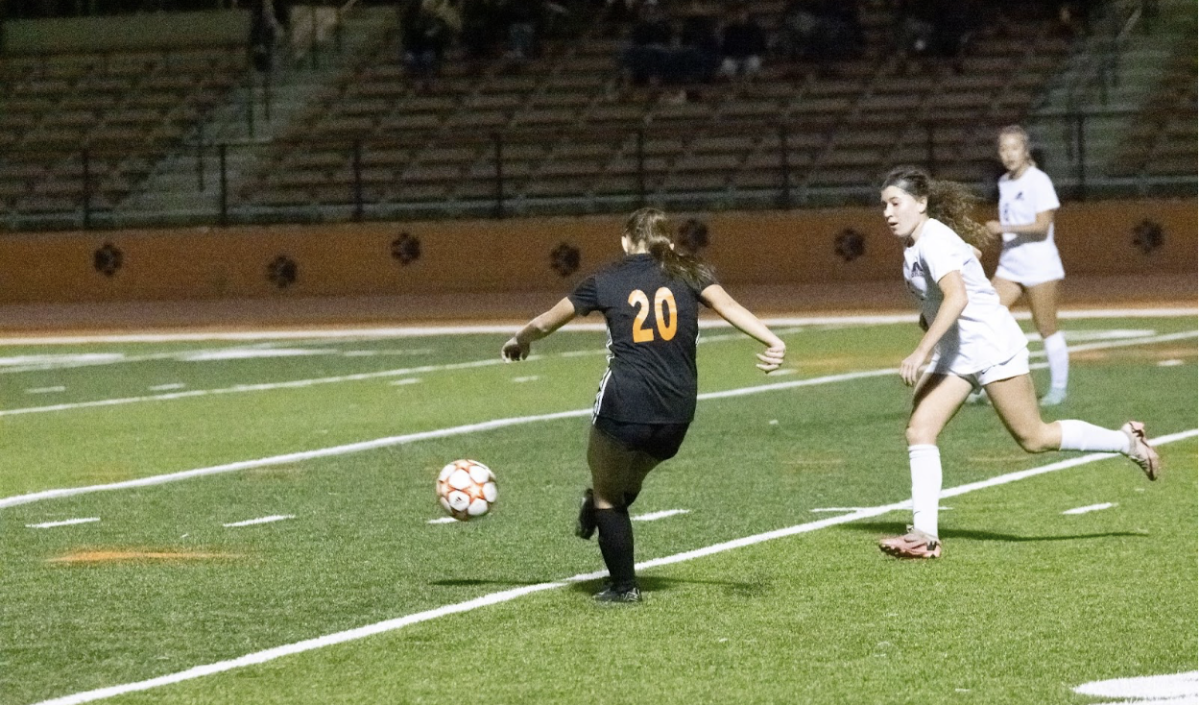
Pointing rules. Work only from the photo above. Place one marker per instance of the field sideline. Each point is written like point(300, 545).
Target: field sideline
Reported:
point(294, 398)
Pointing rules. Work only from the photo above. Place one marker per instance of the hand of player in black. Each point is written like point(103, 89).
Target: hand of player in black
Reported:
point(772, 359)
point(514, 351)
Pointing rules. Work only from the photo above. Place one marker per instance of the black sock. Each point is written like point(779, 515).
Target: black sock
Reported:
point(616, 545)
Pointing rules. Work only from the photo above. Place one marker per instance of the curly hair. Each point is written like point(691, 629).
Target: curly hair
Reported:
point(650, 226)
point(948, 201)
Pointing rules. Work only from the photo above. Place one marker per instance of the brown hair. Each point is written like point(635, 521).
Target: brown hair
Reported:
point(650, 226)
point(948, 201)
point(1019, 132)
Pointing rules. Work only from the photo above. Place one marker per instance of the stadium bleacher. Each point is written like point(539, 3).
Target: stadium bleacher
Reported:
point(82, 131)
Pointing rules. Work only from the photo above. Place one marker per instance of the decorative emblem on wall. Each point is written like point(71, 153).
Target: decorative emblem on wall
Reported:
point(406, 248)
point(564, 259)
point(1148, 236)
point(850, 245)
point(282, 271)
point(108, 259)
point(693, 236)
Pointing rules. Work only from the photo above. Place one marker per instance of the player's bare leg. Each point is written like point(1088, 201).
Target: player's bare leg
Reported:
point(1016, 404)
point(1043, 305)
point(937, 398)
point(1018, 409)
point(1009, 291)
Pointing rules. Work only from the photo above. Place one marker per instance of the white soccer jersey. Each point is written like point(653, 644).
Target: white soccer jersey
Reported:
point(986, 333)
point(1026, 259)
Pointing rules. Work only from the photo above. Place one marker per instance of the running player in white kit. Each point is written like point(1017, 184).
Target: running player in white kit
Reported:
point(1029, 260)
point(971, 340)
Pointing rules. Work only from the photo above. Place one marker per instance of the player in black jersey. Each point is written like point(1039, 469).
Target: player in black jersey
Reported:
point(650, 300)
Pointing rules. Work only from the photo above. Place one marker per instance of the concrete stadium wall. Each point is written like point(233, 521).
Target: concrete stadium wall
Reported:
point(778, 247)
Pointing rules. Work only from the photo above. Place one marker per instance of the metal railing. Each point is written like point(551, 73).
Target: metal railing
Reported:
point(524, 172)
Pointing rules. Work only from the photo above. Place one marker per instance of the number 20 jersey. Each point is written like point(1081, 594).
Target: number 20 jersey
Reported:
point(652, 330)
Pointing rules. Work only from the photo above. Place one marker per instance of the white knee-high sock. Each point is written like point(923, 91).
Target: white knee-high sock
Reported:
point(1056, 355)
point(925, 465)
point(1081, 435)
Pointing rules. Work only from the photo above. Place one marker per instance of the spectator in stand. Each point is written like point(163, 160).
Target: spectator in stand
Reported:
point(955, 26)
point(647, 57)
point(482, 21)
point(429, 26)
point(264, 30)
point(615, 15)
point(743, 43)
point(914, 26)
point(521, 19)
point(822, 31)
point(699, 53)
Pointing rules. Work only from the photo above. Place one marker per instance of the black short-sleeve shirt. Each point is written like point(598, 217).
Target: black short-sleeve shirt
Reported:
point(652, 330)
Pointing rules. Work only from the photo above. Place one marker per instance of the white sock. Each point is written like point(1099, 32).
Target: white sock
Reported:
point(1081, 435)
point(1056, 355)
point(925, 465)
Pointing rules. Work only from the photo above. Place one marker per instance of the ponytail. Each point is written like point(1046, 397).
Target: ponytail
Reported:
point(948, 201)
point(650, 227)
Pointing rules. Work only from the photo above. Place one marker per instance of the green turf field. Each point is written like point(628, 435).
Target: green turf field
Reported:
point(353, 596)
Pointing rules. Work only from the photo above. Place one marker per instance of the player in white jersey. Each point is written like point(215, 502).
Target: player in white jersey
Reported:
point(971, 340)
point(1029, 260)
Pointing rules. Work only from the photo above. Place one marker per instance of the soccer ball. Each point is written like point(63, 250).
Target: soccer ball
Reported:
point(466, 489)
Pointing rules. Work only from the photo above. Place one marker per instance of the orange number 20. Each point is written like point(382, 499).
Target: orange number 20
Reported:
point(666, 322)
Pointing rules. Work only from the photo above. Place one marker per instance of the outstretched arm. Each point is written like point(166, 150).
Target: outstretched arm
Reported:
point(517, 347)
point(726, 307)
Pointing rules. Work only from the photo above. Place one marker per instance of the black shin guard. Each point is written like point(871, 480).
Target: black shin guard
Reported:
point(616, 545)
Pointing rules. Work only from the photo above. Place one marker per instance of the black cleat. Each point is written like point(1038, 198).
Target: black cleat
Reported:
point(609, 595)
point(585, 525)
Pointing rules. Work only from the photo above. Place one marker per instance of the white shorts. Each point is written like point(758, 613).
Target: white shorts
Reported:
point(1028, 281)
point(1014, 366)
point(1030, 264)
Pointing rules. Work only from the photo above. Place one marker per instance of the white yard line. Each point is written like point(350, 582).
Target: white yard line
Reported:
point(64, 522)
point(655, 516)
point(1090, 508)
point(260, 520)
point(459, 430)
point(425, 369)
point(509, 328)
point(292, 457)
point(510, 595)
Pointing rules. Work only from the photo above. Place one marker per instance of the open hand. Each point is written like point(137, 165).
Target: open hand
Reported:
point(771, 359)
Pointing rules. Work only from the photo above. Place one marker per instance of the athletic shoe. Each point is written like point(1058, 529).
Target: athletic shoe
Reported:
point(1140, 451)
point(585, 525)
point(609, 595)
point(914, 544)
point(1054, 397)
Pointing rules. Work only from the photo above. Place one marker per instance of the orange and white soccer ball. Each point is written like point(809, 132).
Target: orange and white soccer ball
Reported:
point(466, 489)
